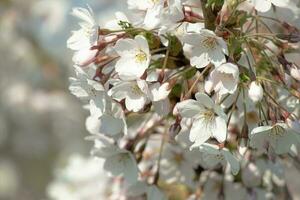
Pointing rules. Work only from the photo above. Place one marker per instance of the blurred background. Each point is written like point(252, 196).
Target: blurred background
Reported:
point(41, 124)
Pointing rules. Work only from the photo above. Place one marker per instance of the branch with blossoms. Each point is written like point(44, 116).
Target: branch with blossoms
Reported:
point(200, 99)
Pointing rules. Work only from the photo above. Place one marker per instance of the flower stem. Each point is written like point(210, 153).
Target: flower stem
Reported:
point(209, 16)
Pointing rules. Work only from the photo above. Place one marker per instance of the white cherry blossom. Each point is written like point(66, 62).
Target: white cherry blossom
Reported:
point(107, 119)
point(206, 48)
point(209, 119)
point(134, 57)
point(225, 78)
point(213, 155)
point(135, 93)
point(87, 35)
point(277, 138)
point(118, 162)
point(159, 97)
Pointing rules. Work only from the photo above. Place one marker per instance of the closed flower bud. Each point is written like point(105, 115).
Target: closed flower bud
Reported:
point(255, 92)
point(295, 73)
point(208, 86)
point(242, 148)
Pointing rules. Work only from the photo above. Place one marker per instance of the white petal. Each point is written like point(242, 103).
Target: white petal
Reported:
point(223, 45)
point(192, 38)
point(125, 46)
point(84, 14)
point(232, 161)
point(92, 124)
point(159, 92)
point(119, 91)
point(78, 40)
point(262, 5)
point(280, 3)
point(122, 164)
point(162, 107)
point(110, 125)
point(189, 108)
point(84, 57)
point(260, 129)
point(135, 105)
point(200, 59)
point(219, 131)
point(217, 57)
point(199, 133)
point(205, 100)
point(142, 43)
point(285, 142)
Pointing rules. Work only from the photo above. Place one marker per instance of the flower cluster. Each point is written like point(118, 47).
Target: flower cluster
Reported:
point(197, 97)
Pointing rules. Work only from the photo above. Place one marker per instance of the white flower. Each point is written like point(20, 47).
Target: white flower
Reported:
point(134, 57)
point(225, 78)
point(151, 11)
point(212, 155)
point(209, 119)
point(87, 36)
point(115, 24)
point(106, 118)
point(255, 92)
point(265, 5)
point(85, 88)
point(135, 94)
point(72, 182)
point(159, 97)
point(153, 15)
point(178, 163)
point(173, 13)
point(159, 91)
point(206, 48)
point(118, 162)
point(278, 138)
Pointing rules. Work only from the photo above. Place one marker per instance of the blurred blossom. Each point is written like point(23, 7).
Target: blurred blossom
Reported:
point(82, 178)
point(3, 129)
point(51, 15)
point(9, 181)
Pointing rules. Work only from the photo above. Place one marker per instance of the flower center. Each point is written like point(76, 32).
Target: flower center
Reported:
point(92, 92)
point(136, 90)
point(154, 1)
point(209, 42)
point(140, 56)
point(277, 131)
point(219, 157)
point(178, 157)
point(209, 115)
